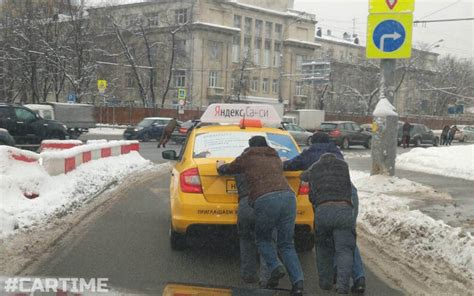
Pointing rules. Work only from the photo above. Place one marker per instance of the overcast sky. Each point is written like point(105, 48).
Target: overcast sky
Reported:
point(338, 16)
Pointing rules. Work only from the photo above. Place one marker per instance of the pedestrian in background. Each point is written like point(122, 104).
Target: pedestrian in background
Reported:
point(275, 209)
point(167, 131)
point(452, 133)
point(321, 145)
point(246, 230)
point(444, 135)
point(331, 189)
point(406, 129)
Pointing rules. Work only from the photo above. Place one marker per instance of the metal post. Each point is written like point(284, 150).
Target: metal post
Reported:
point(385, 128)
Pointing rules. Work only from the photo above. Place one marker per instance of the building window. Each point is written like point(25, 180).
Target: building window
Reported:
point(215, 50)
point(247, 47)
point(153, 19)
point(130, 80)
point(237, 21)
point(278, 31)
point(256, 51)
point(258, 28)
point(248, 26)
point(265, 85)
point(299, 62)
point(266, 53)
point(268, 30)
point(254, 84)
point(130, 20)
point(181, 16)
point(236, 49)
point(275, 86)
point(213, 79)
point(180, 78)
point(181, 47)
point(277, 55)
point(299, 88)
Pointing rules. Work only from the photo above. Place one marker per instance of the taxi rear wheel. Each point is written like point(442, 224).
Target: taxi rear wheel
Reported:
point(304, 243)
point(177, 240)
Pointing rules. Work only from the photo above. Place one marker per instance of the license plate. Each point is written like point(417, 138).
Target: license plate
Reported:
point(231, 187)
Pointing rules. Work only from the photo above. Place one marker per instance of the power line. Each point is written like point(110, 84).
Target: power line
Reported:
point(445, 20)
point(444, 8)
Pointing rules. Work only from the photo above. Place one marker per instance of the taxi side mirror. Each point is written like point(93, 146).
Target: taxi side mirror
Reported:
point(169, 154)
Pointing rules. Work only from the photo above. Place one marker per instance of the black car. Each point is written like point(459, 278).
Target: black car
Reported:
point(28, 128)
point(180, 133)
point(346, 133)
point(420, 134)
point(6, 138)
point(149, 128)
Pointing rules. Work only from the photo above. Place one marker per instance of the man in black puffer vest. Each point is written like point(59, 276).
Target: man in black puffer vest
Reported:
point(331, 190)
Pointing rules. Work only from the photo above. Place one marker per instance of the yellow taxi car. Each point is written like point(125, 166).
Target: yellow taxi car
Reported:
point(200, 198)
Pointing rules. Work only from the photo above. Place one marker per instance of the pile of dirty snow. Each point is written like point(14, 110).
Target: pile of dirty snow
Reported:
point(451, 161)
point(384, 213)
point(106, 131)
point(58, 195)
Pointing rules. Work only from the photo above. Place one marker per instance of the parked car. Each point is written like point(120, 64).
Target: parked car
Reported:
point(6, 138)
point(149, 128)
point(467, 132)
point(420, 134)
point(180, 133)
point(301, 136)
point(27, 127)
point(346, 133)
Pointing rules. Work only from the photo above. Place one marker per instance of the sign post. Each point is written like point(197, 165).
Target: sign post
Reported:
point(389, 37)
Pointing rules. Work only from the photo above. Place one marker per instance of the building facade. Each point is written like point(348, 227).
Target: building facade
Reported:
point(225, 51)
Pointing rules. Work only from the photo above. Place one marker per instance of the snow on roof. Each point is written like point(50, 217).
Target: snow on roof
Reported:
point(216, 26)
point(293, 13)
point(338, 40)
point(307, 43)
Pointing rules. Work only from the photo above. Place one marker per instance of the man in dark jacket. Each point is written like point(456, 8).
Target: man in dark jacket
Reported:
point(331, 191)
point(167, 131)
point(321, 145)
point(246, 231)
point(406, 129)
point(275, 209)
point(445, 135)
point(452, 133)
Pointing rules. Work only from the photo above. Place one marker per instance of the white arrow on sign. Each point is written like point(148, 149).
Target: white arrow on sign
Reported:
point(393, 36)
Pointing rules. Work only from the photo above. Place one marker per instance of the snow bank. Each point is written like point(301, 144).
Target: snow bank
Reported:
point(451, 161)
point(384, 213)
point(58, 195)
point(106, 131)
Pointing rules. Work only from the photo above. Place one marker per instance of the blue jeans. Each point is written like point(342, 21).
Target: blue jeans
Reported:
point(277, 211)
point(248, 247)
point(358, 268)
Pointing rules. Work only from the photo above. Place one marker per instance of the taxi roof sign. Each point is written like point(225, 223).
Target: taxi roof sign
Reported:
point(233, 113)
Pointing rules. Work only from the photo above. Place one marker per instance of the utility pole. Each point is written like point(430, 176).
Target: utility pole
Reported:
point(385, 124)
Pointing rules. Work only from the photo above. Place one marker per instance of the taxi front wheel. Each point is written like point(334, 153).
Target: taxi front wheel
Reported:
point(177, 240)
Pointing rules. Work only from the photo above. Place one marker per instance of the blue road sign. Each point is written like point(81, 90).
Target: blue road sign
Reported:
point(389, 35)
point(71, 98)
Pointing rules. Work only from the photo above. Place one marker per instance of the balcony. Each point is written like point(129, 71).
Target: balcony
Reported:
point(215, 91)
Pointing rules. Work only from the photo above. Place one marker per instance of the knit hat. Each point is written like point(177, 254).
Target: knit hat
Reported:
point(319, 138)
point(258, 141)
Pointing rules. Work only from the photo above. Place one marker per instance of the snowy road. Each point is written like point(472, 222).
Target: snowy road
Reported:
point(129, 245)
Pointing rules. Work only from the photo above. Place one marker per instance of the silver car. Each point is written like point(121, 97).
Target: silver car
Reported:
point(301, 136)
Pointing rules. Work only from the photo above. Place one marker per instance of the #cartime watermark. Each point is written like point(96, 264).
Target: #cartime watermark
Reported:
point(48, 285)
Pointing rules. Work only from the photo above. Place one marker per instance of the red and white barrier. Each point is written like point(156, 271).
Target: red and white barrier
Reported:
point(54, 145)
point(65, 161)
point(13, 153)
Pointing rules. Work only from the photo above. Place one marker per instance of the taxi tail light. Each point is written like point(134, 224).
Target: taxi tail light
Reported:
point(190, 181)
point(335, 133)
point(183, 130)
point(304, 188)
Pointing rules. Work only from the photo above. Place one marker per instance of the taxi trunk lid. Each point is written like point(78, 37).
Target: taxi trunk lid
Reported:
point(222, 189)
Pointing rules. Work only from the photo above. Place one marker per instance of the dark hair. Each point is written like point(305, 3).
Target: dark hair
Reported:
point(258, 141)
point(319, 138)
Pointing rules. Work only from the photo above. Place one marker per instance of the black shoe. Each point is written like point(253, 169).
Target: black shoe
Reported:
point(297, 289)
point(158, 146)
point(359, 286)
point(275, 277)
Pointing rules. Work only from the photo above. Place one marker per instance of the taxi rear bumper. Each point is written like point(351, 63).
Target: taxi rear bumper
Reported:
point(194, 209)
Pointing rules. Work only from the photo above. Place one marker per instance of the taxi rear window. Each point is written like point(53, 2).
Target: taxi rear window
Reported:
point(232, 144)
